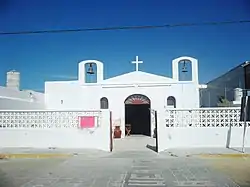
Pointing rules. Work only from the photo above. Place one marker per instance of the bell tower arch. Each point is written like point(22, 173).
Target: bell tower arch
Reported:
point(82, 70)
point(194, 68)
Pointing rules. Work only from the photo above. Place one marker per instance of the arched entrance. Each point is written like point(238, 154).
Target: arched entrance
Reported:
point(137, 114)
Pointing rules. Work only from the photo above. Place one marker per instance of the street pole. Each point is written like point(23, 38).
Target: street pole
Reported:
point(245, 124)
point(244, 132)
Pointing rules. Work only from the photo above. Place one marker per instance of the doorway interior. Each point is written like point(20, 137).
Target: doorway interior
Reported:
point(137, 114)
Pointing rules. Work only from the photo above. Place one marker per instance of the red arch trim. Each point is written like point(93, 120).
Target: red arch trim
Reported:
point(137, 99)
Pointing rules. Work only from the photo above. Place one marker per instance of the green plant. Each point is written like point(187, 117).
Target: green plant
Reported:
point(223, 102)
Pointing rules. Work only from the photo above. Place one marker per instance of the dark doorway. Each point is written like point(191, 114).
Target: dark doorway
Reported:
point(137, 114)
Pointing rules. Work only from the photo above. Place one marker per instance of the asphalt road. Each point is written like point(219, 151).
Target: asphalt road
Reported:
point(117, 169)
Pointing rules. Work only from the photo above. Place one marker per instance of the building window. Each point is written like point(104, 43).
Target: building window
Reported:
point(171, 101)
point(104, 103)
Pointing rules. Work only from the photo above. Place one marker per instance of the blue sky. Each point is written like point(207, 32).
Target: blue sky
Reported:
point(45, 57)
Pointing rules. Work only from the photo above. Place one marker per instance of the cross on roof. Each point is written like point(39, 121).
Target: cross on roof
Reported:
point(137, 62)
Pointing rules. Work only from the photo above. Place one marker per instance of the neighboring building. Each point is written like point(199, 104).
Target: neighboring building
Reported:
point(228, 86)
point(130, 96)
point(12, 98)
point(13, 80)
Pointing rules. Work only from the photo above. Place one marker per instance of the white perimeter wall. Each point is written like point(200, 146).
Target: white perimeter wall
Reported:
point(202, 127)
point(193, 137)
point(16, 134)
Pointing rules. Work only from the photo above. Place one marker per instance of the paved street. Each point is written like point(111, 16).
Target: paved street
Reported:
point(127, 169)
point(131, 167)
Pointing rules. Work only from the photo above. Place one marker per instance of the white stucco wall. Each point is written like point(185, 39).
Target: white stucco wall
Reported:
point(11, 99)
point(54, 136)
point(201, 127)
point(198, 137)
point(72, 95)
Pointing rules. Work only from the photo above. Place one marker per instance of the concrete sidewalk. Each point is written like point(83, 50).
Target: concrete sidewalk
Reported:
point(207, 152)
point(94, 153)
point(48, 153)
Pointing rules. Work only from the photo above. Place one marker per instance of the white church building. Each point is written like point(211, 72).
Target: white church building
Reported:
point(70, 113)
point(129, 96)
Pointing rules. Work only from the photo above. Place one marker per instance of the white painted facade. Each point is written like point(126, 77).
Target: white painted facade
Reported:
point(79, 95)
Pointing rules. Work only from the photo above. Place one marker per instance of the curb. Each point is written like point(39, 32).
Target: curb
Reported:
point(232, 155)
point(31, 155)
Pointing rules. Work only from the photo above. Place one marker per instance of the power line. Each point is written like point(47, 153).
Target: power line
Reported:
point(124, 28)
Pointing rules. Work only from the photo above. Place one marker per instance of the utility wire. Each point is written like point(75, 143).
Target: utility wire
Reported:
point(124, 28)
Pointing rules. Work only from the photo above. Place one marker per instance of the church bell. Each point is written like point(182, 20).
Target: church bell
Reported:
point(184, 68)
point(90, 69)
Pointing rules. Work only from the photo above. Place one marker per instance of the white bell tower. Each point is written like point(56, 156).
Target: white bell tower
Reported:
point(82, 70)
point(194, 66)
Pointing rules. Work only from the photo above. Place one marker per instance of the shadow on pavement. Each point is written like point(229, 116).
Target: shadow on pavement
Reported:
point(151, 147)
point(234, 149)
